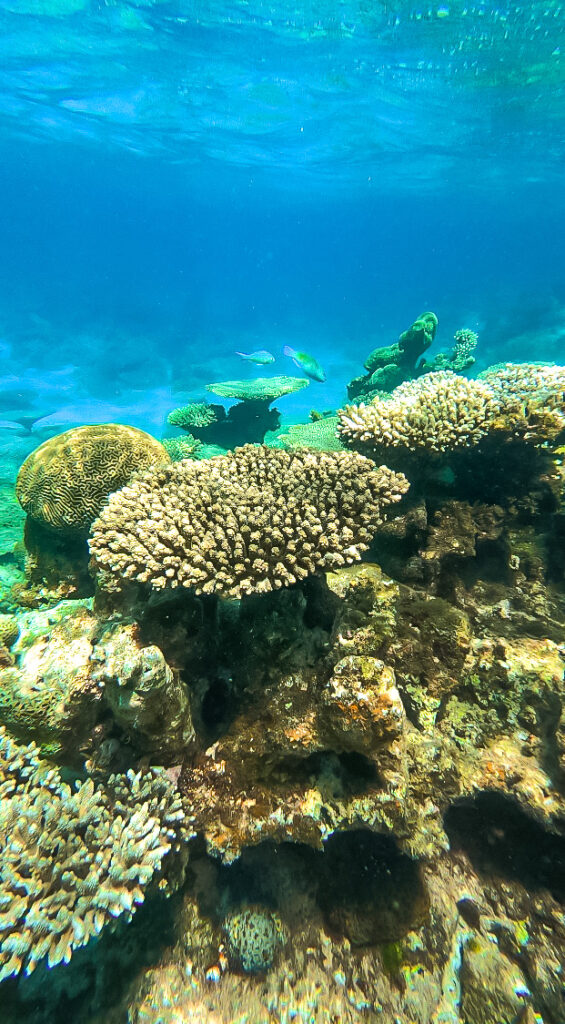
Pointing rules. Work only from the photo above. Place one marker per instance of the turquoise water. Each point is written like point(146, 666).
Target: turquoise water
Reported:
point(183, 181)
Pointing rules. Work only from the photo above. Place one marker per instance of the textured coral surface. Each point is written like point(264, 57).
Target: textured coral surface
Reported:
point(64, 483)
point(252, 521)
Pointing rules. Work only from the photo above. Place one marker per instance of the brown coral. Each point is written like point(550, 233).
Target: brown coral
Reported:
point(64, 483)
point(438, 412)
point(252, 521)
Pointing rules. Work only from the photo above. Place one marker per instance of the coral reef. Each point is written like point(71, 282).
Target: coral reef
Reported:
point(437, 412)
point(64, 483)
point(252, 521)
point(260, 389)
point(390, 365)
point(72, 860)
point(194, 415)
point(369, 756)
point(246, 422)
point(79, 691)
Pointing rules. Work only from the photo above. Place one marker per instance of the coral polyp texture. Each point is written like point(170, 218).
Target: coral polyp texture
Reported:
point(74, 859)
point(64, 483)
point(438, 412)
point(251, 521)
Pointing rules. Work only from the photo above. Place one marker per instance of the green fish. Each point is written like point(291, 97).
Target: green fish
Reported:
point(307, 364)
point(262, 357)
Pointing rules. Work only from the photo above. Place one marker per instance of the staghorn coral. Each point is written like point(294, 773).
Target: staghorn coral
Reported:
point(73, 860)
point(195, 414)
point(261, 389)
point(436, 413)
point(251, 521)
point(187, 447)
point(64, 483)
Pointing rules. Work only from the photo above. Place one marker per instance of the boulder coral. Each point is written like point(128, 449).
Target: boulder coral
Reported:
point(64, 483)
point(249, 522)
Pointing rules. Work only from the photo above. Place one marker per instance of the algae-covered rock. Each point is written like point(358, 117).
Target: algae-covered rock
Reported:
point(493, 990)
point(70, 673)
point(145, 696)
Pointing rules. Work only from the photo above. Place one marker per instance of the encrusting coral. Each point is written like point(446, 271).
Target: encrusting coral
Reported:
point(64, 483)
point(438, 412)
point(249, 522)
point(320, 434)
point(74, 859)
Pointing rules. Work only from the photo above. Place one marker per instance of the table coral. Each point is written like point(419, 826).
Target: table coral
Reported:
point(72, 860)
point(64, 483)
point(251, 521)
point(261, 389)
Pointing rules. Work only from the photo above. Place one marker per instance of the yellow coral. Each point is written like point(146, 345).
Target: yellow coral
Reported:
point(64, 483)
point(251, 521)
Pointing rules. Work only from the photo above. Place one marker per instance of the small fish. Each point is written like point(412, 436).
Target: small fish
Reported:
point(308, 364)
point(262, 357)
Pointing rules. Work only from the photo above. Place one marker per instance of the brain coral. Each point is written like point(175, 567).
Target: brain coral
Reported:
point(253, 520)
point(74, 859)
point(64, 483)
point(437, 412)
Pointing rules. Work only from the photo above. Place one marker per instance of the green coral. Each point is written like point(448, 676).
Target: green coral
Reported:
point(261, 389)
point(185, 447)
point(72, 860)
point(195, 414)
point(320, 434)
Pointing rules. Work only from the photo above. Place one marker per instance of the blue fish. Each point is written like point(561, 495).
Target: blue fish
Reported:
point(262, 357)
point(307, 364)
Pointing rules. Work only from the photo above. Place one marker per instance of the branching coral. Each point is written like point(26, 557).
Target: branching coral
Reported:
point(179, 448)
point(195, 414)
point(72, 860)
point(64, 483)
point(252, 521)
point(438, 412)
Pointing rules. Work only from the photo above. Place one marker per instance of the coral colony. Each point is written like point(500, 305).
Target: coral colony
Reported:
point(281, 708)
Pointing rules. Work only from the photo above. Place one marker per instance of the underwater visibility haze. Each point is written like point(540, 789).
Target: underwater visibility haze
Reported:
point(282, 512)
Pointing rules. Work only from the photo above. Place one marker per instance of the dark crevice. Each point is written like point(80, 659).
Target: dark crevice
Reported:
point(501, 839)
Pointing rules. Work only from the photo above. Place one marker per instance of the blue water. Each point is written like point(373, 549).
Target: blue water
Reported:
point(181, 180)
